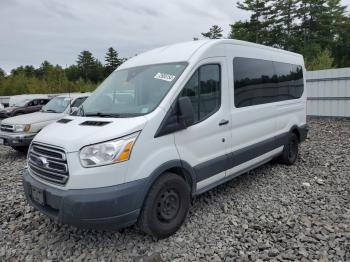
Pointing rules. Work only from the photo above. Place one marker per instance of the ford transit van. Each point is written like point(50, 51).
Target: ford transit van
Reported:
point(167, 125)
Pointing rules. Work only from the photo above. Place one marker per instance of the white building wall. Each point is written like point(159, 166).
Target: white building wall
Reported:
point(328, 92)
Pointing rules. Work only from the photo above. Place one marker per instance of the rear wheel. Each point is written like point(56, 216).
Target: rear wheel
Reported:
point(290, 151)
point(166, 206)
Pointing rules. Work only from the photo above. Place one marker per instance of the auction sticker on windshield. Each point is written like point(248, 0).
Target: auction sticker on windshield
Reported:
point(165, 77)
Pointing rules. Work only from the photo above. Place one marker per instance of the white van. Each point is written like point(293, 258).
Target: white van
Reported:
point(168, 125)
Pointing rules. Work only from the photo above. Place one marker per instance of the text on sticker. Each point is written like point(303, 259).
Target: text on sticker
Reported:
point(164, 76)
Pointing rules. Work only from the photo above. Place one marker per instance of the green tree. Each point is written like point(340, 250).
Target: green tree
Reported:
point(310, 27)
point(86, 63)
point(323, 60)
point(112, 60)
point(342, 45)
point(44, 69)
point(73, 73)
point(215, 32)
point(2, 74)
point(282, 20)
point(260, 20)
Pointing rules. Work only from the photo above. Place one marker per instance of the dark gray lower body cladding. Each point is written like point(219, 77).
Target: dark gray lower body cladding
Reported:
point(223, 163)
point(110, 207)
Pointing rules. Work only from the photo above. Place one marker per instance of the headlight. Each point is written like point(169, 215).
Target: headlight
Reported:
point(107, 153)
point(22, 128)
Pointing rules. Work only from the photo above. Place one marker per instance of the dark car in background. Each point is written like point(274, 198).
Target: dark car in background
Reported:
point(24, 107)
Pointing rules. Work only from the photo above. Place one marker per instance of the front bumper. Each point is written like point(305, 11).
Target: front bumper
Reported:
point(16, 139)
point(104, 208)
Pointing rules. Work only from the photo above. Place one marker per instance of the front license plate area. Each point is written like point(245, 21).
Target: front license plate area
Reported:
point(38, 195)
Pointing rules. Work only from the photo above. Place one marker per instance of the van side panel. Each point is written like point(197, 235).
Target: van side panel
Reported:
point(149, 152)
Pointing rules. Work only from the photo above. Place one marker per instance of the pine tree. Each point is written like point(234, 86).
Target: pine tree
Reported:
point(259, 20)
point(86, 63)
point(215, 32)
point(341, 48)
point(2, 74)
point(284, 14)
point(112, 60)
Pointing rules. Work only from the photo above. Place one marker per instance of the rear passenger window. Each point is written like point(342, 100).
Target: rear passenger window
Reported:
point(254, 81)
point(204, 91)
point(290, 81)
point(259, 81)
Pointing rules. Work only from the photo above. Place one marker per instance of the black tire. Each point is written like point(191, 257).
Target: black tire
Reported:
point(22, 149)
point(166, 206)
point(290, 151)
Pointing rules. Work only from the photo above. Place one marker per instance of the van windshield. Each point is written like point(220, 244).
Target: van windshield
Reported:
point(133, 91)
point(56, 105)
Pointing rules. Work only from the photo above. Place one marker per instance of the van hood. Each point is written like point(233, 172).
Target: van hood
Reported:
point(83, 131)
point(32, 118)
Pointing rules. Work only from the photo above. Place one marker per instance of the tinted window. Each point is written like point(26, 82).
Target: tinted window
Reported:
point(260, 81)
point(254, 81)
point(290, 81)
point(204, 91)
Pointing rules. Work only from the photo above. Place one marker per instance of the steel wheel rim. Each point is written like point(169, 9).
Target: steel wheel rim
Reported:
point(168, 205)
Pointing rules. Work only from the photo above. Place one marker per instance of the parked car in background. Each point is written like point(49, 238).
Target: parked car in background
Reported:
point(17, 98)
point(23, 106)
point(19, 131)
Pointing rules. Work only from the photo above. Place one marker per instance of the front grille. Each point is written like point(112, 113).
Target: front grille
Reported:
point(7, 128)
point(48, 163)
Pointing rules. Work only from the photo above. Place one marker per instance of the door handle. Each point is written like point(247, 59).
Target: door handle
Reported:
point(223, 122)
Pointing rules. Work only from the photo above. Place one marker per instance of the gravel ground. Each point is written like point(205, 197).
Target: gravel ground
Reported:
point(275, 212)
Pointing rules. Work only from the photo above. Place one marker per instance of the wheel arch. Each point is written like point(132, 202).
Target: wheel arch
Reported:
point(295, 130)
point(179, 167)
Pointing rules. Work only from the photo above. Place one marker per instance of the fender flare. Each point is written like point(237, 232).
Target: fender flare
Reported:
point(189, 175)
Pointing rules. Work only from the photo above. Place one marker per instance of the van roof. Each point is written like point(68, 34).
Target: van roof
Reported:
point(181, 52)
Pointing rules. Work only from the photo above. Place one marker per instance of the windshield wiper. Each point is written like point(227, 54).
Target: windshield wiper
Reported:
point(100, 114)
point(116, 115)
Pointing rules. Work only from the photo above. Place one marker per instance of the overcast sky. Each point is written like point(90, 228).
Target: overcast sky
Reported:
point(57, 30)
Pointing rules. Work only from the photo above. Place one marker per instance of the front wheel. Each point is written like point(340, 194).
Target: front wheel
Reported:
point(166, 206)
point(290, 151)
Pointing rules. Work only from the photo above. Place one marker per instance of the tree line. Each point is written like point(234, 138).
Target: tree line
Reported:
point(83, 76)
point(318, 29)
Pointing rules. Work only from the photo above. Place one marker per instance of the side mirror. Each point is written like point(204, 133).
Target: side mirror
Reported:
point(179, 117)
point(185, 111)
point(73, 109)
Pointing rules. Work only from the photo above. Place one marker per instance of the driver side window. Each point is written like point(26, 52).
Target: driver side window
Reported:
point(204, 91)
